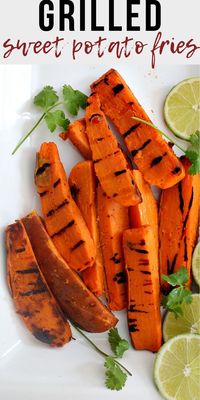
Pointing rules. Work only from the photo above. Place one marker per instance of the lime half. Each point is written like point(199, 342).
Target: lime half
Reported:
point(177, 368)
point(182, 108)
point(189, 322)
point(196, 264)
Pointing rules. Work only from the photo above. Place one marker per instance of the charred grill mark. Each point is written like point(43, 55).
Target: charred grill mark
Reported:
point(148, 292)
point(97, 161)
point(57, 183)
point(77, 245)
point(132, 248)
point(54, 210)
point(42, 169)
point(74, 191)
point(185, 249)
point(145, 272)
point(118, 88)
point(133, 328)
point(43, 193)
point(132, 309)
point(170, 268)
point(61, 231)
point(33, 292)
point(43, 335)
point(147, 284)
point(28, 271)
point(131, 130)
point(115, 195)
point(104, 80)
point(25, 314)
point(176, 170)
point(130, 269)
point(181, 200)
point(188, 212)
point(118, 173)
point(156, 161)
point(144, 262)
point(120, 277)
point(142, 242)
point(100, 139)
point(93, 116)
point(20, 250)
point(145, 144)
point(116, 259)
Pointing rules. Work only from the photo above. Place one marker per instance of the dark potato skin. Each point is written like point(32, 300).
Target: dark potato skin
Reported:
point(32, 298)
point(77, 302)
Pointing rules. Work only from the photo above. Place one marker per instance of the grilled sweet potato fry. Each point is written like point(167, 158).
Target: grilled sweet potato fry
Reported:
point(83, 182)
point(77, 302)
point(144, 320)
point(76, 133)
point(32, 298)
point(110, 164)
point(178, 224)
point(113, 220)
point(150, 152)
point(63, 219)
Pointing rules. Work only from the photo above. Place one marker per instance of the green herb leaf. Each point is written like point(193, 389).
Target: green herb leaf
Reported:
point(193, 153)
point(180, 294)
point(118, 345)
point(177, 279)
point(46, 98)
point(56, 119)
point(115, 377)
point(73, 99)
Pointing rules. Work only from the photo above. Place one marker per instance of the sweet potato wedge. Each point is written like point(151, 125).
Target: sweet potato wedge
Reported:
point(144, 319)
point(178, 224)
point(62, 217)
point(83, 182)
point(110, 164)
point(146, 212)
point(113, 220)
point(150, 152)
point(76, 133)
point(75, 299)
point(32, 298)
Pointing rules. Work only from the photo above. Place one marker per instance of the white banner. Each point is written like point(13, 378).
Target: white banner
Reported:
point(102, 31)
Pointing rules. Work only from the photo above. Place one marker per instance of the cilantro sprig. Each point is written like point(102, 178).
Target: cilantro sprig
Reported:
point(49, 102)
point(192, 152)
point(173, 301)
point(115, 373)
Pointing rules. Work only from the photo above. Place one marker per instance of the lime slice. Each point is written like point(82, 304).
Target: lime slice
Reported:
point(196, 264)
point(177, 368)
point(182, 108)
point(189, 322)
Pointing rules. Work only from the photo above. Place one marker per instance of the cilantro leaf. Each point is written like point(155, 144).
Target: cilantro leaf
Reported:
point(115, 377)
point(73, 99)
point(180, 294)
point(179, 278)
point(46, 98)
point(56, 119)
point(193, 153)
point(118, 345)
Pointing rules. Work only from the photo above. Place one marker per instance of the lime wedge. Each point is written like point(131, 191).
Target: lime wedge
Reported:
point(177, 368)
point(196, 264)
point(182, 108)
point(189, 322)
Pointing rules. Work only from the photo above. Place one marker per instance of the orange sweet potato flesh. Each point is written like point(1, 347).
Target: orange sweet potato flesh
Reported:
point(144, 320)
point(62, 217)
point(32, 298)
point(110, 164)
point(146, 212)
point(75, 299)
point(113, 220)
point(82, 182)
point(76, 133)
point(178, 224)
point(150, 152)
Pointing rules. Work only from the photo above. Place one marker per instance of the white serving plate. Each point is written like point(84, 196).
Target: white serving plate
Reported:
point(29, 369)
